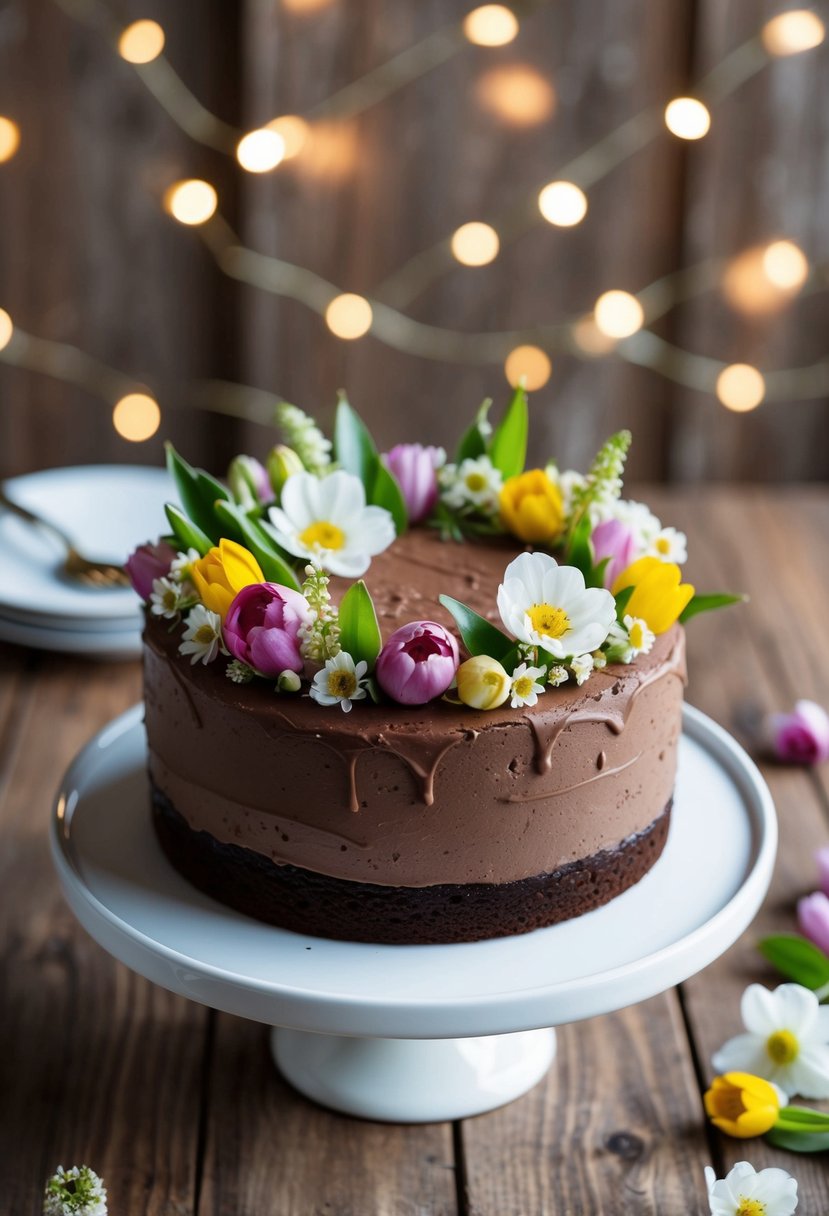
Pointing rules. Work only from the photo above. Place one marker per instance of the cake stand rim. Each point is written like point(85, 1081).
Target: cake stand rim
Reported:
point(517, 1009)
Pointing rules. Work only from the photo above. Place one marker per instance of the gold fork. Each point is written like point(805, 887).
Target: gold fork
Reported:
point(76, 566)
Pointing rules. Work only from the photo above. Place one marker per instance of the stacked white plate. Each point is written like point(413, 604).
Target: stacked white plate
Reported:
point(107, 510)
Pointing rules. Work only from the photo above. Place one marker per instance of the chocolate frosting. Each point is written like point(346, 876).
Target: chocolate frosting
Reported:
point(418, 795)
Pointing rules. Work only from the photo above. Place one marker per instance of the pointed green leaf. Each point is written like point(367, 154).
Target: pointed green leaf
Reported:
point(580, 549)
point(508, 450)
point(479, 636)
point(355, 451)
point(796, 958)
point(198, 492)
point(804, 1118)
point(252, 535)
point(186, 533)
point(622, 598)
point(359, 632)
point(386, 493)
point(473, 441)
point(707, 603)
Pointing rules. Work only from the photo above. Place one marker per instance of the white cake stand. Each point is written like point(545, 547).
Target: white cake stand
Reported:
point(416, 1033)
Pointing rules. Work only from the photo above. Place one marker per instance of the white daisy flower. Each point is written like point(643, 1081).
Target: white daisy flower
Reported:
point(547, 605)
point(180, 566)
point(786, 1040)
point(745, 1192)
point(557, 675)
point(326, 519)
point(202, 639)
point(639, 637)
point(340, 680)
point(670, 546)
point(474, 483)
point(165, 598)
point(582, 667)
point(526, 684)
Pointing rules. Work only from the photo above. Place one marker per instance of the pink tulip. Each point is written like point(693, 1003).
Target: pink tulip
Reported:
point(801, 737)
point(262, 627)
point(415, 468)
point(148, 563)
point(822, 858)
point(417, 663)
point(613, 540)
point(813, 918)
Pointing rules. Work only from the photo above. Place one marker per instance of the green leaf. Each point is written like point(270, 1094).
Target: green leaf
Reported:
point(355, 451)
point(479, 636)
point(386, 492)
point(473, 441)
point(185, 532)
point(796, 958)
point(508, 449)
point(622, 598)
point(797, 1142)
point(198, 492)
point(580, 549)
point(707, 603)
point(252, 534)
point(359, 632)
point(803, 1118)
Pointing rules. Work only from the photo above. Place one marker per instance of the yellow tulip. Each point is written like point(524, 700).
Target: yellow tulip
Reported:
point(532, 507)
point(222, 573)
point(483, 683)
point(658, 597)
point(742, 1105)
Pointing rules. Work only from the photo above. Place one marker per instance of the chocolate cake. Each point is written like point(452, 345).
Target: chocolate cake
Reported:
point(414, 824)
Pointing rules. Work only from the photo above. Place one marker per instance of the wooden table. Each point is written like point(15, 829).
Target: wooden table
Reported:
point(180, 1108)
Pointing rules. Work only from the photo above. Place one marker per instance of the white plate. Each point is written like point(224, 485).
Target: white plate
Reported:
point(105, 644)
point(699, 897)
point(107, 510)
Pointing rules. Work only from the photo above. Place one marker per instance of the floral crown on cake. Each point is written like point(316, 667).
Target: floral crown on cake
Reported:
point(245, 572)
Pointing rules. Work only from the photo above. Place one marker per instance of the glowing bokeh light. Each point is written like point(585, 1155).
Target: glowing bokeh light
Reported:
point(9, 138)
point(562, 204)
point(475, 244)
point(740, 387)
point(762, 279)
point(529, 362)
point(618, 314)
point(490, 25)
point(136, 417)
point(349, 316)
point(260, 151)
point(191, 202)
point(305, 6)
point(6, 329)
point(141, 42)
point(793, 32)
point(517, 94)
point(589, 338)
point(687, 118)
point(785, 265)
point(293, 131)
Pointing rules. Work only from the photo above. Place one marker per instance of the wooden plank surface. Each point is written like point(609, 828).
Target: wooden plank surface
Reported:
point(182, 1111)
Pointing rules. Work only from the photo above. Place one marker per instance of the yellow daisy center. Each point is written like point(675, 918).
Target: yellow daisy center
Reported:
point(782, 1047)
point(204, 635)
point(663, 546)
point(342, 684)
point(322, 534)
point(636, 635)
point(750, 1207)
point(523, 686)
point(545, 618)
point(475, 482)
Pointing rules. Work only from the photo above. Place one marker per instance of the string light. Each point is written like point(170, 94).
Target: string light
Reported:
point(785, 265)
point(516, 93)
point(618, 314)
point(589, 340)
point(305, 6)
point(687, 118)
point(562, 204)
point(740, 387)
point(191, 202)
point(530, 364)
point(141, 42)
point(793, 32)
point(9, 138)
point(293, 131)
point(490, 25)
point(762, 279)
point(136, 417)
point(6, 329)
point(349, 316)
point(475, 244)
point(260, 151)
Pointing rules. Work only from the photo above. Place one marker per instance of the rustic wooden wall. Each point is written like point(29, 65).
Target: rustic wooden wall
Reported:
point(87, 257)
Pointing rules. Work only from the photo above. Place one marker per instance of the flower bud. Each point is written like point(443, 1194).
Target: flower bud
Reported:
point(801, 737)
point(262, 628)
point(282, 463)
point(415, 468)
point(288, 681)
point(248, 482)
point(483, 683)
point(813, 919)
point(417, 663)
point(743, 1105)
point(148, 563)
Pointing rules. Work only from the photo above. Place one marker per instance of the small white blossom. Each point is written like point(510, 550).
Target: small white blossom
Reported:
point(640, 637)
point(75, 1192)
point(166, 598)
point(202, 639)
point(786, 1040)
point(644, 525)
point(305, 437)
point(238, 672)
point(474, 483)
point(567, 482)
point(669, 545)
point(180, 566)
point(581, 666)
point(745, 1192)
point(526, 684)
point(288, 681)
point(599, 660)
point(340, 681)
point(557, 675)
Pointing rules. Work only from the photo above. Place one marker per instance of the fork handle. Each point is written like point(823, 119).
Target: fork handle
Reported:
point(31, 518)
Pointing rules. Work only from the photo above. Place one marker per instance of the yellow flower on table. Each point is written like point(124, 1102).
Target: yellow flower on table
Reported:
point(222, 573)
point(532, 507)
point(659, 596)
point(743, 1105)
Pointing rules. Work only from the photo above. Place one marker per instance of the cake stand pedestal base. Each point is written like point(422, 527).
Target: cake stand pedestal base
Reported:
point(413, 1080)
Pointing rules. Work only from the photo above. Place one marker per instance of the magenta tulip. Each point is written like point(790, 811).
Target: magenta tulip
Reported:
point(262, 628)
point(613, 540)
point(417, 663)
point(415, 468)
point(148, 563)
point(801, 737)
point(813, 918)
point(822, 857)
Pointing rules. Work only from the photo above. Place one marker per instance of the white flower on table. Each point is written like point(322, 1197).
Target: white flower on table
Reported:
point(340, 681)
point(165, 598)
point(547, 605)
point(745, 1192)
point(326, 520)
point(669, 545)
point(786, 1040)
point(202, 639)
point(526, 685)
point(475, 482)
